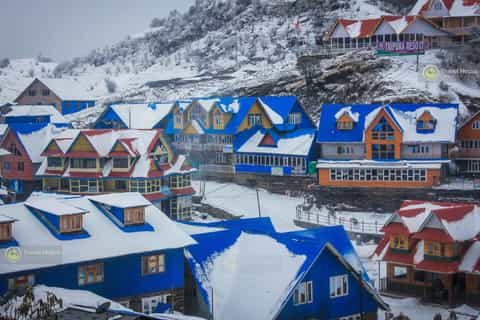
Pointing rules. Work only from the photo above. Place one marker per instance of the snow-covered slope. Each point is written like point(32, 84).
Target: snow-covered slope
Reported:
point(237, 47)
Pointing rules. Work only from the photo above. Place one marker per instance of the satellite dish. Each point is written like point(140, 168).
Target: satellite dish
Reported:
point(103, 308)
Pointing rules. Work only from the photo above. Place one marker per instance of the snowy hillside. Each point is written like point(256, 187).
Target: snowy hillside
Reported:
point(237, 47)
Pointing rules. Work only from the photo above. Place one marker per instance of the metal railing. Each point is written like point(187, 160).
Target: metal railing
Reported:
point(352, 225)
point(217, 168)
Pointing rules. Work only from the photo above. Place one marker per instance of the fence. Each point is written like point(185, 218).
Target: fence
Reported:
point(352, 225)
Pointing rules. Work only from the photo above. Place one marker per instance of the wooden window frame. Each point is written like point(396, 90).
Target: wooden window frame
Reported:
point(6, 231)
point(307, 286)
point(71, 223)
point(97, 269)
point(336, 283)
point(134, 216)
point(155, 262)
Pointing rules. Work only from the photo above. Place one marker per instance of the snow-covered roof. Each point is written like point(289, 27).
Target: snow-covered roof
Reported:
point(37, 110)
point(122, 200)
point(358, 28)
point(247, 255)
point(460, 221)
point(348, 111)
point(77, 299)
point(142, 115)
point(5, 218)
point(35, 137)
point(53, 206)
point(298, 143)
point(68, 89)
point(105, 239)
point(3, 128)
point(272, 114)
point(403, 115)
point(452, 8)
point(137, 144)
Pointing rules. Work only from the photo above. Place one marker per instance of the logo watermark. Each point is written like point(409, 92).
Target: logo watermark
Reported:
point(32, 255)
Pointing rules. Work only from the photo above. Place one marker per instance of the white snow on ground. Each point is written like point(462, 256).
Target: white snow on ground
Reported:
point(242, 201)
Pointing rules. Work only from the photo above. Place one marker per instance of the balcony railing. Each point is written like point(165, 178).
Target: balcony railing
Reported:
point(217, 168)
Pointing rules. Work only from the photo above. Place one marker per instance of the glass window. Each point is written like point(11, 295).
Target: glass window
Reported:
point(92, 273)
point(71, 223)
point(120, 163)
point(295, 118)
point(339, 286)
point(382, 130)
point(54, 162)
point(303, 293)
point(254, 119)
point(5, 231)
point(153, 264)
point(80, 163)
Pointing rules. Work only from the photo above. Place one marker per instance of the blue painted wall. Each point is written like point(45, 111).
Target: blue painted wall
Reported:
point(109, 120)
point(287, 171)
point(123, 276)
point(28, 119)
point(324, 307)
point(72, 106)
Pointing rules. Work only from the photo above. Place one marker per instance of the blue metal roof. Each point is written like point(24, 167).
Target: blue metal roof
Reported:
point(308, 243)
point(328, 131)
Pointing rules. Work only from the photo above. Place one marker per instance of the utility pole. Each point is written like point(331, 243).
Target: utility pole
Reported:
point(258, 204)
point(213, 309)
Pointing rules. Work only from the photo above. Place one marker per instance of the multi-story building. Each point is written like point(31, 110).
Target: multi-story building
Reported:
point(94, 161)
point(467, 157)
point(312, 274)
point(459, 17)
point(390, 34)
point(397, 145)
point(208, 129)
point(118, 245)
point(25, 143)
point(432, 250)
point(66, 95)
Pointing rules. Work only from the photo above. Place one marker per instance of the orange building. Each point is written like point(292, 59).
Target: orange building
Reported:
point(467, 157)
point(396, 145)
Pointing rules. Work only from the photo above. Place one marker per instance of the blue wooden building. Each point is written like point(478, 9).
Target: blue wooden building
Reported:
point(31, 114)
point(118, 246)
point(245, 270)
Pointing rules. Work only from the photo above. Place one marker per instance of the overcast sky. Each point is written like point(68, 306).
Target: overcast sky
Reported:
point(64, 29)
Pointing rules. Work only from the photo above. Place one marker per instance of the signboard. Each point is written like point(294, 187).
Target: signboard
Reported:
point(277, 171)
point(398, 48)
point(228, 148)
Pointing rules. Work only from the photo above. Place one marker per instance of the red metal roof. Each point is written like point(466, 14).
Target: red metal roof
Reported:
point(431, 234)
point(438, 266)
point(395, 228)
point(455, 213)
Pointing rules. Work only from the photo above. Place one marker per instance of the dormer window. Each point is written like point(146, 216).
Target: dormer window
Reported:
point(134, 216)
point(476, 124)
point(294, 118)
point(426, 122)
point(344, 125)
point(6, 231)
point(71, 223)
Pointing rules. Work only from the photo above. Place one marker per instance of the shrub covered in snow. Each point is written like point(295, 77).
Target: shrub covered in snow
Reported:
point(5, 62)
point(111, 85)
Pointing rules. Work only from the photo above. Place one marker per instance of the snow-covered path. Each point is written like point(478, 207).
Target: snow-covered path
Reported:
point(242, 201)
